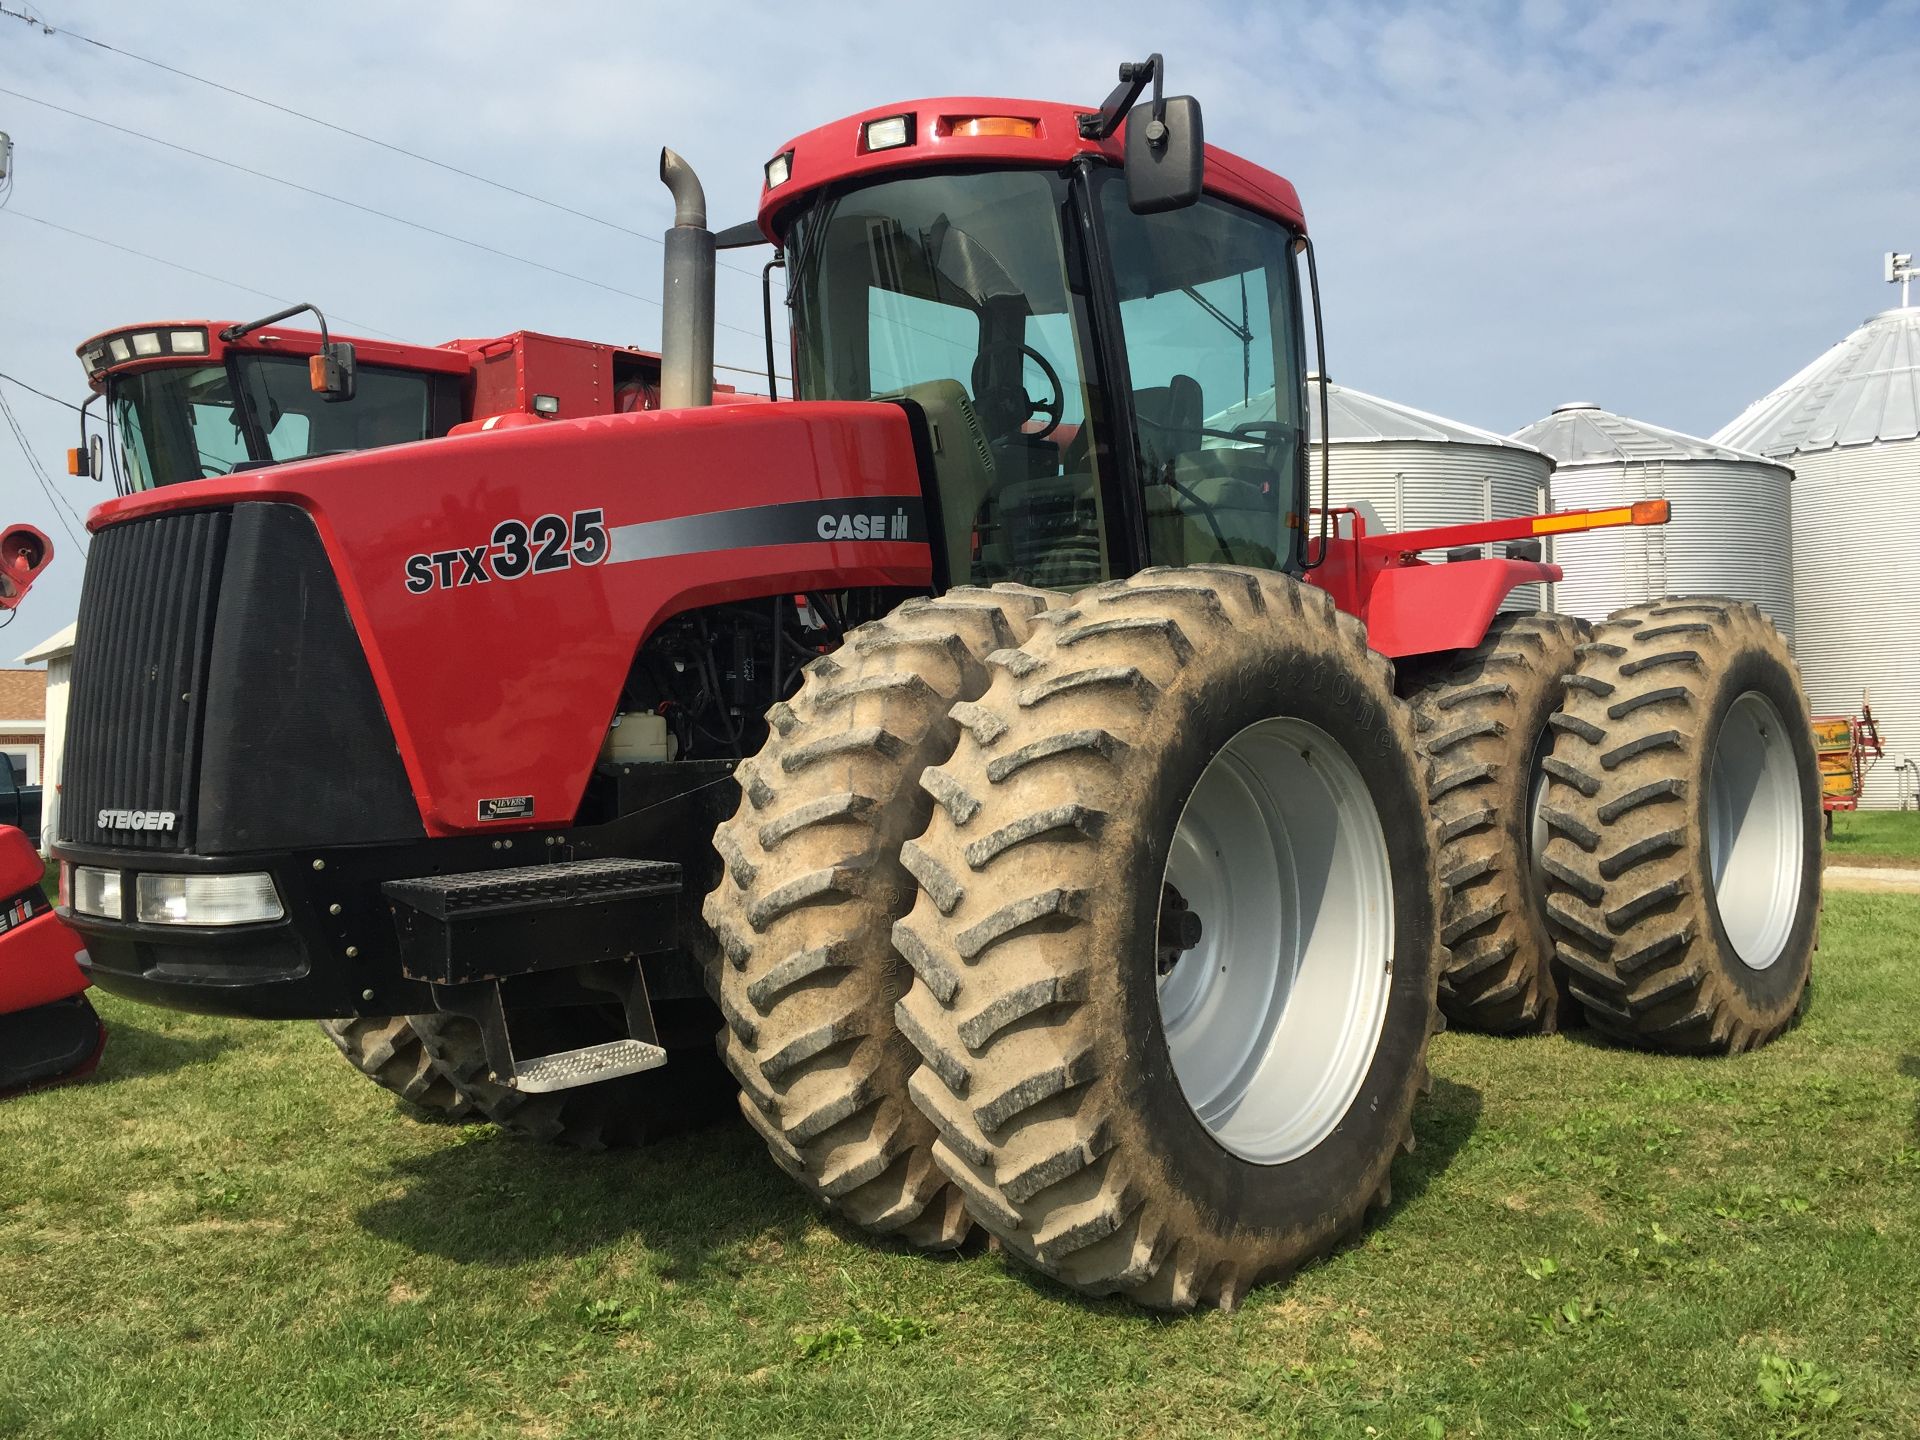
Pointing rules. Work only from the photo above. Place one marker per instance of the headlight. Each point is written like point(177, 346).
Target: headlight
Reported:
point(779, 169)
point(206, 899)
point(96, 892)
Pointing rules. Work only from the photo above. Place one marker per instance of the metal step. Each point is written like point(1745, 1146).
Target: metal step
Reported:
point(541, 1074)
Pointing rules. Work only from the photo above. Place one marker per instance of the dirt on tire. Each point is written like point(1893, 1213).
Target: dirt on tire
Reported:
point(1483, 721)
point(1633, 785)
point(806, 977)
point(1036, 937)
point(387, 1050)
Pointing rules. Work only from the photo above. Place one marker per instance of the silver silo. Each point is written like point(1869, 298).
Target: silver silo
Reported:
point(1849, 424)
point(1416, 470)
point(1732, 527)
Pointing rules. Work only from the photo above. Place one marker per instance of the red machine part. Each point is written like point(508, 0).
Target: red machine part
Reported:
point(24, 552)
point(38, 962)
point(1414, 607)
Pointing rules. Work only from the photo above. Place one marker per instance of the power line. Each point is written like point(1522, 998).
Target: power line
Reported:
point(348, 321)
point(41, 393)
point(359, 135)
point(58, 502)
point(355, 205)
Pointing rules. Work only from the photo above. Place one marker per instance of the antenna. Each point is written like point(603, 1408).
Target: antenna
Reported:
point(1900, 272)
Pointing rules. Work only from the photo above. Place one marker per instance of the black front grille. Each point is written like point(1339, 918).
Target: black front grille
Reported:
point(139, 678)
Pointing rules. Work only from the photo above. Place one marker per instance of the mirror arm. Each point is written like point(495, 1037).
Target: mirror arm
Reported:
point(1133, 79)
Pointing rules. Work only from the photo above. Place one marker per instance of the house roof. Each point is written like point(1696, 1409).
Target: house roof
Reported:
point(52, 648)
point(23, 695)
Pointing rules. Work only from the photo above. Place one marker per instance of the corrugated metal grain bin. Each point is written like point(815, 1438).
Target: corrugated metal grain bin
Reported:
point(1849, 424)
point(1732, 527)
point(1417, 470)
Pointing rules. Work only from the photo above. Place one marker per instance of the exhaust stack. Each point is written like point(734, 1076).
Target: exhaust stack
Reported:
point(686, 322)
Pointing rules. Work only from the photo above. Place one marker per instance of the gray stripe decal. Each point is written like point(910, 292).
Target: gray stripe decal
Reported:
point(894, 518)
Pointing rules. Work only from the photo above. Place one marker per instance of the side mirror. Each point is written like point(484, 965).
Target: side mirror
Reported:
point(1165, 155)
point(331, 372)
point(88, 462)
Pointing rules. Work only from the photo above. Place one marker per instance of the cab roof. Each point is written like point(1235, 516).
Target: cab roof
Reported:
point(837, 151)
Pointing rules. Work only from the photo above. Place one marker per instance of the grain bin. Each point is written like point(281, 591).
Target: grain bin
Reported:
point(1732, 527)
point(1417, 470)
point(1849, 424)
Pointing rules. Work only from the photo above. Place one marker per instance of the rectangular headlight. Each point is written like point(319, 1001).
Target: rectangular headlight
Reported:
point(96, 892)
point(890, 133)
point(779, 169)
point(117, 347)
point(147, 342)
point(187, 342)
point(206, 899)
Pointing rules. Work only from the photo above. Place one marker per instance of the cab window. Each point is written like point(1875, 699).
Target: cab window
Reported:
point(1209, 319)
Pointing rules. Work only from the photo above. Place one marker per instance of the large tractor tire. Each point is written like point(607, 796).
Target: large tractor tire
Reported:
point(1482, 717)
point(1175, 947)
point(1684, 814)
point(686, 1092)
point(387, 1050)
point(814, 879)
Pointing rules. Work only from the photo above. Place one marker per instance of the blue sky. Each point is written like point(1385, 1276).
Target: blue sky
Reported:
point(1664, 207)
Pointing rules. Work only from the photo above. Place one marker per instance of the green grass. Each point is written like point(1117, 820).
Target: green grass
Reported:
point(1875, 837)
point(229, 1233)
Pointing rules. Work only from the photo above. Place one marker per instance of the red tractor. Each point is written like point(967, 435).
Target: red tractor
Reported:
point(1071, 827)
point(187, 400)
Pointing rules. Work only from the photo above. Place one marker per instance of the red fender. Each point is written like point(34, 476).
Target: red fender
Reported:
point(1418, 609)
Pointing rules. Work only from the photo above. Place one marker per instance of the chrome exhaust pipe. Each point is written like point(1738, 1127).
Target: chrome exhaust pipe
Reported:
point(686, 321)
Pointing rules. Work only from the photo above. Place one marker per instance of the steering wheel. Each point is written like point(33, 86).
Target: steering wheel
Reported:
point(1053, 406)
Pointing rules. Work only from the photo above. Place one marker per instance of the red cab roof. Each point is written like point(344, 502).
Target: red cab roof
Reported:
point(940, 137)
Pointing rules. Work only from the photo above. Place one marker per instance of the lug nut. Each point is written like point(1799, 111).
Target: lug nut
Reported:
point(319, 864)
point(353, 952)
point(334, 909)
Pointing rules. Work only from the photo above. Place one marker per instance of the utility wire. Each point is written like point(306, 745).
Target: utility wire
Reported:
point(356, 205)
point(58, 502)
point(41, 393)
point(345, 320)
point(359, 135)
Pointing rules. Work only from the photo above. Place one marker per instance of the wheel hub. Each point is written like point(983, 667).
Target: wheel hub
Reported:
point(1276, 940)
point(1756, 841)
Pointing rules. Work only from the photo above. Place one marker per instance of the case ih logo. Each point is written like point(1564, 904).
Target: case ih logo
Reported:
point(134, 820)
point(863, 527)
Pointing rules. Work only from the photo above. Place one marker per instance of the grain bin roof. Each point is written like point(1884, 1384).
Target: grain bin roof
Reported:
point(1865, 389)
point(1355, 417)
point(1581, 433)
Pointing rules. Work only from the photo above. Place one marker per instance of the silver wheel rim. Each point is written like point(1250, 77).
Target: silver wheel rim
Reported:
point(1756, 847)
point(1272, 1018)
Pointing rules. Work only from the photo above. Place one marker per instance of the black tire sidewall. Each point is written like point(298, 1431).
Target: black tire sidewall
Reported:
point(1776, 989)
point(1317, 1189)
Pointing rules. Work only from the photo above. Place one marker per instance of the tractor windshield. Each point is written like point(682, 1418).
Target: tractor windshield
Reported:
point(952, 291)
point(183, 422)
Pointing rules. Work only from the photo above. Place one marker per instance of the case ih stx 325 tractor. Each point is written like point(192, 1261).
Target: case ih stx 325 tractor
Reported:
point(1073, 822)
point(186, 400)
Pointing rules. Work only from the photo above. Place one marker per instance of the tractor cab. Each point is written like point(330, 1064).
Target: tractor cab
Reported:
point(195, 399)
point(185, 401)
point(1108, 379)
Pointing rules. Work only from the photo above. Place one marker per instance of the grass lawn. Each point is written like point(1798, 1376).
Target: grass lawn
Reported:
point(229, 1233)
point(1875, 837)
